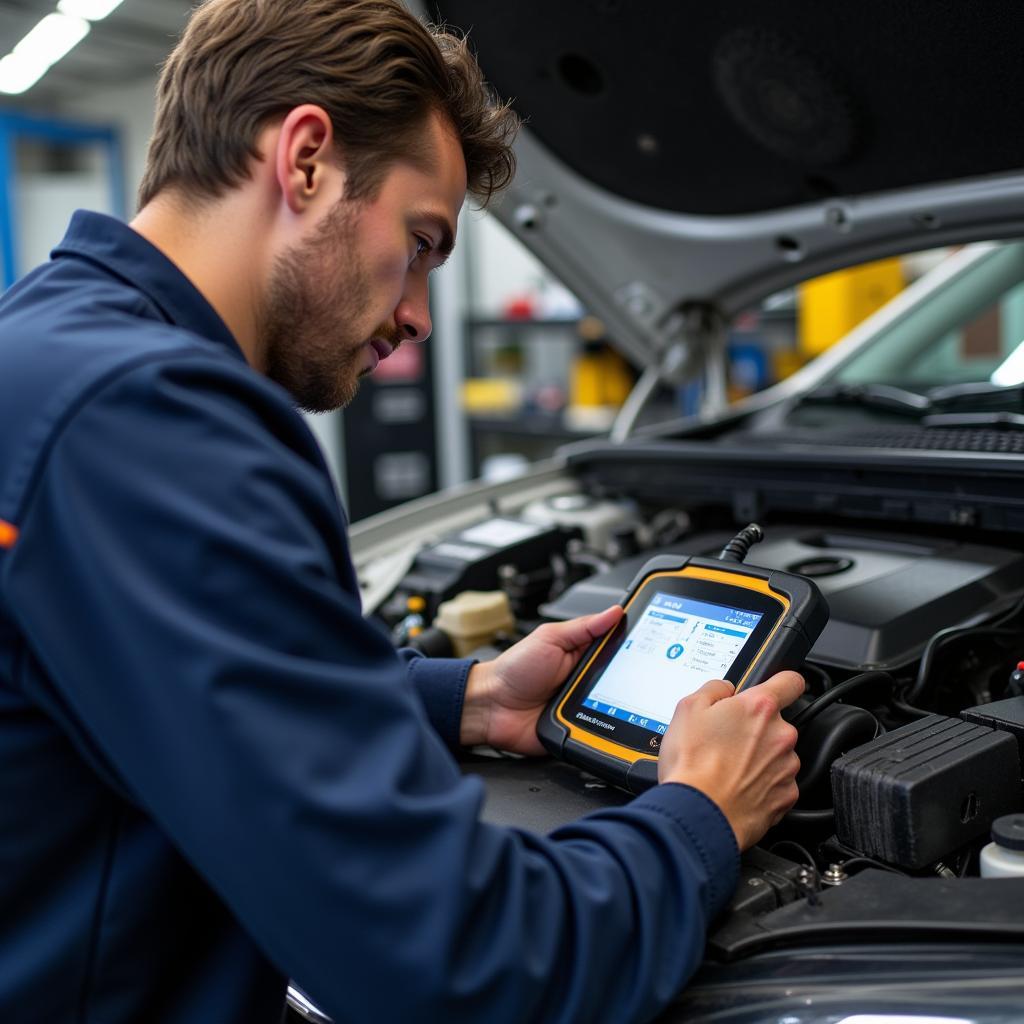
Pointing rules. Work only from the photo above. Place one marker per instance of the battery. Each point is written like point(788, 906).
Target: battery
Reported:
point(921, 792)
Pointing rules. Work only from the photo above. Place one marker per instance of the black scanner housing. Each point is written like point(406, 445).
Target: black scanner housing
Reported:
point(786, 649)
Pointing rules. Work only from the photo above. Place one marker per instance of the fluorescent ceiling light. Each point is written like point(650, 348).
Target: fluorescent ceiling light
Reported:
point(17, 75)
point(91, 10)
point(53, 37)
point(50, 40)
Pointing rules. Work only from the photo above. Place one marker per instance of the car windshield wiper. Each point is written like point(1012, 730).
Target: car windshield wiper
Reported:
point(871, 396)
point(977, 396)
point(967, 420)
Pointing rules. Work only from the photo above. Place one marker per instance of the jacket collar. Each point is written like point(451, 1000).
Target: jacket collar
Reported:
point(113, 245)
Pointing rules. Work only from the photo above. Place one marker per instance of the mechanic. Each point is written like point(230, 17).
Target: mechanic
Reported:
point(214, 773)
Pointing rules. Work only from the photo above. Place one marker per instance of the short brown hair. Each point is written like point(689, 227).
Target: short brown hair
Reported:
point(370, 64)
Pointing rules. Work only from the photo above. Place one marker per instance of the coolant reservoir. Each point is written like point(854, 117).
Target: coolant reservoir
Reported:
point(474, 618)
point(1004, 856)
point(597, 518)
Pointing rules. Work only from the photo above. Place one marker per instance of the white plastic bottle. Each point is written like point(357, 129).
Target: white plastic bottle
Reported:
point(1004, 856)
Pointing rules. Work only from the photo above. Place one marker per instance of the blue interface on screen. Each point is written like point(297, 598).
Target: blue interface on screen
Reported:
point(676, 646)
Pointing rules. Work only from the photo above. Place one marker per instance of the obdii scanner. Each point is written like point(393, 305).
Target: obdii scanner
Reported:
point(687, 620)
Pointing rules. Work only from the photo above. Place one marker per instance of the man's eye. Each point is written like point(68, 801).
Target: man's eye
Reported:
point(423, 247)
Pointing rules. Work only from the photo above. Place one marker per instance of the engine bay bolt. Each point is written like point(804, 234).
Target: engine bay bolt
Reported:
point(834, 874)
point(808, 881)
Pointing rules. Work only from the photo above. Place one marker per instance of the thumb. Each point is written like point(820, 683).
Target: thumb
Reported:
point(712, 692)
point(785, 687)
point(577, 633)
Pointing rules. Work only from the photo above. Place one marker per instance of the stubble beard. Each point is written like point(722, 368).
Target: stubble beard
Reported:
point(315, 301)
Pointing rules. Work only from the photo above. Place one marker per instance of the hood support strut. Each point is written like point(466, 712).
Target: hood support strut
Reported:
point(693, 343)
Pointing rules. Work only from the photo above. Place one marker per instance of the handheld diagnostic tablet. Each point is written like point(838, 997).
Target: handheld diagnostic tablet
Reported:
point(687, 620)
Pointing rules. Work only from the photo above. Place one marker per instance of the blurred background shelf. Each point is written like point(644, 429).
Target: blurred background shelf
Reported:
point(529, 425)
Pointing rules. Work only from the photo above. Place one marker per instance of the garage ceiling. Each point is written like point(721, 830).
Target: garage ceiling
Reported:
point(127, 45)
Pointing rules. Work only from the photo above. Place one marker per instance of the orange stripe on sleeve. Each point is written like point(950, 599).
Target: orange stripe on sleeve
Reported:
point(8, 534)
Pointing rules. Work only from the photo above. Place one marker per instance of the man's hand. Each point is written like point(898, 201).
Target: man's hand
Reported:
point(504, 697)
point(738, 751)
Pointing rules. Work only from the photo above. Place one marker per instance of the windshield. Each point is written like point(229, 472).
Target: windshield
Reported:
point(971, 331)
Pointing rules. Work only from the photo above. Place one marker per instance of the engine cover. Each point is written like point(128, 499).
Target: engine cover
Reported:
point(887, 595)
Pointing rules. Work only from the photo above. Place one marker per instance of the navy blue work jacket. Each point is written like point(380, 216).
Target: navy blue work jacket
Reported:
point(214, 773)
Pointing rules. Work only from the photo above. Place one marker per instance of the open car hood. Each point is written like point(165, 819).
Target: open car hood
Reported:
point(681, 162)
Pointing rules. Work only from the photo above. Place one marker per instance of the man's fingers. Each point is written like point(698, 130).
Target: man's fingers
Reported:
point(785, 687)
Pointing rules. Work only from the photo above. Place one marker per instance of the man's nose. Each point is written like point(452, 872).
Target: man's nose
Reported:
point(412, 316)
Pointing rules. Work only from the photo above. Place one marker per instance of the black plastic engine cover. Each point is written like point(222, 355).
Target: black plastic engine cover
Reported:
point(919, 793)
point(887, 593)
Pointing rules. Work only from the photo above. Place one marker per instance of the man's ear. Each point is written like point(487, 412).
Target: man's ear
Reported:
point(305, 157)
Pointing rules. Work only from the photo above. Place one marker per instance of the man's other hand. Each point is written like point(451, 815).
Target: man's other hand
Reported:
point(505, 697)
point(738, 751)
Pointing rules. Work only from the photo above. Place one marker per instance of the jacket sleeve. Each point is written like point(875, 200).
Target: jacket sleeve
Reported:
point(441, 685)
point(182, 574)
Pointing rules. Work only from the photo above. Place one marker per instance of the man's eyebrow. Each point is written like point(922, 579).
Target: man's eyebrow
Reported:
point(443, 227)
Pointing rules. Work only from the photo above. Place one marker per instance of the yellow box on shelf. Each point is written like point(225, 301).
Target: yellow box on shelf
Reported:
point(832, 305)
point(599, 378)
point(491, 395)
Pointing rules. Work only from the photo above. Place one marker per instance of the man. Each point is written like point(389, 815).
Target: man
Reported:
point(214, 774)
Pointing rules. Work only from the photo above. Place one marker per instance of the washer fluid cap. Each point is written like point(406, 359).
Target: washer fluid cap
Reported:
point(1008, 831)
point(476, 615)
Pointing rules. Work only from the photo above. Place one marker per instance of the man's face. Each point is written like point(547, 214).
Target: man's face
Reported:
point(357, 287)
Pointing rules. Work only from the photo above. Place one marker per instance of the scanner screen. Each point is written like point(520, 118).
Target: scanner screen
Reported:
point(676, 646)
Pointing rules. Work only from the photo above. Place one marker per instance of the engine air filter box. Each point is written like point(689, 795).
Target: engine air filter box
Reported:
point(919, 793)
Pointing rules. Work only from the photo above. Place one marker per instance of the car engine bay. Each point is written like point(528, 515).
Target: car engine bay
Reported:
point(911, 728)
